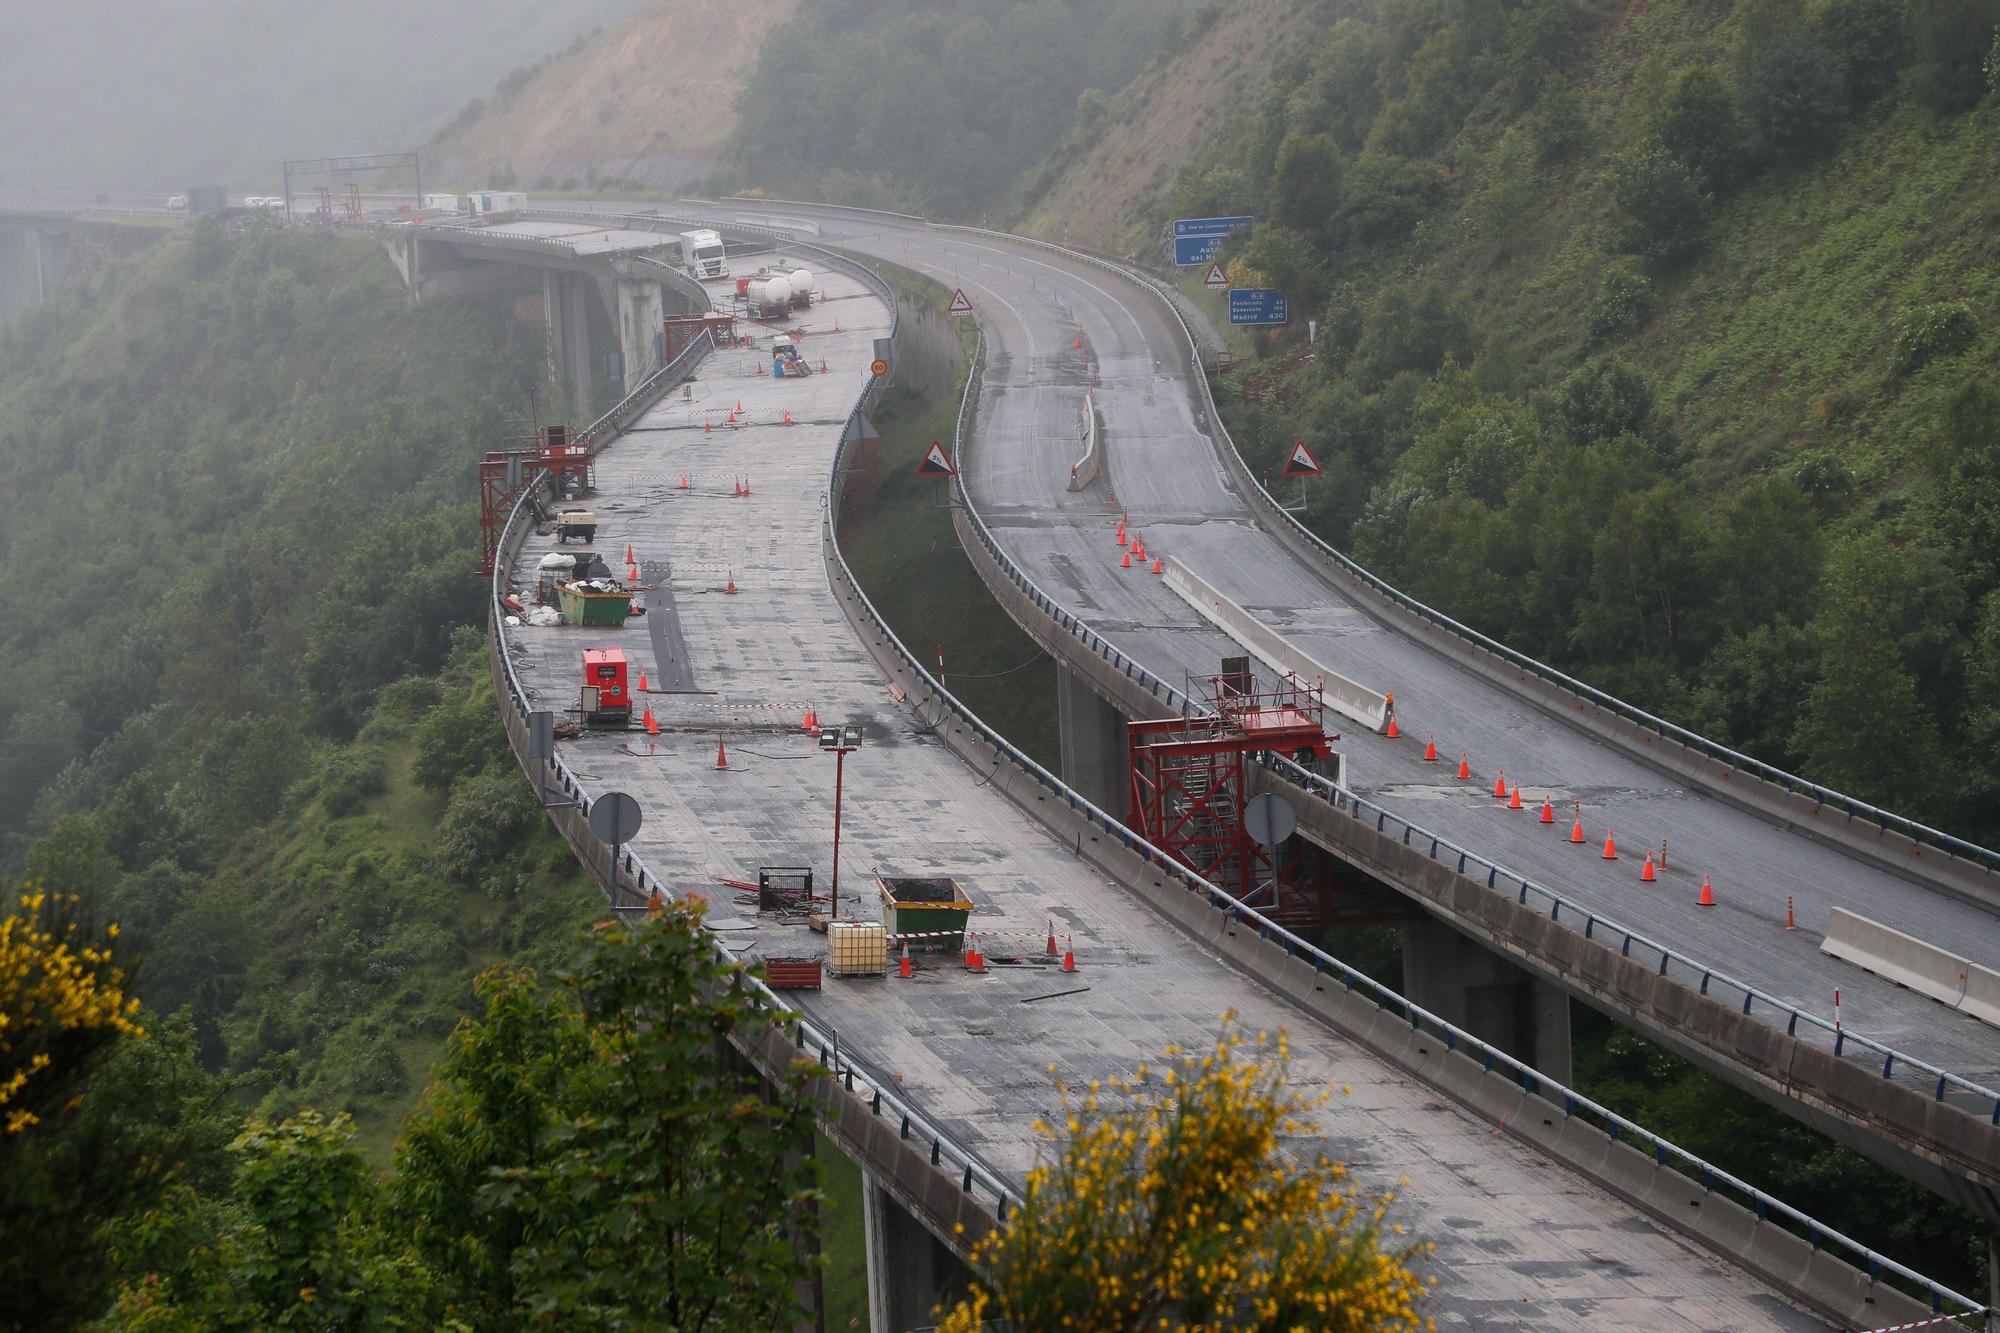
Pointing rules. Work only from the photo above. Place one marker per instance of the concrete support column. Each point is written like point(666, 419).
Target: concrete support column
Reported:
point(1094, 752)
point(32, 262)
point(642, 312)
point(910, 1272)
point(1466, 983)
point(552, 321)
point(574, 316)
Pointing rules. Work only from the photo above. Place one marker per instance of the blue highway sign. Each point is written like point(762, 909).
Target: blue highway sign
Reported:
point(1258, 305)
point(1209, 226)
point(1196, 239)
point(1194, 251)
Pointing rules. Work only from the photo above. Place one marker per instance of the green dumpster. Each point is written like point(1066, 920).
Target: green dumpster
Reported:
point(582, 605)
point(932, 908)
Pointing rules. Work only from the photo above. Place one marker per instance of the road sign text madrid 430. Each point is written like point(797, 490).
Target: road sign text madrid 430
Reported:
point(1258, 305)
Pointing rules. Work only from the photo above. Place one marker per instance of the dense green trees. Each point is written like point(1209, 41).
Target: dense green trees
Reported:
point(1535, 234)
point(590, 1157)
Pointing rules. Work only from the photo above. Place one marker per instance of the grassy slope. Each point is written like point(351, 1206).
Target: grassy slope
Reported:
point(1112, 175)
point(650, 100)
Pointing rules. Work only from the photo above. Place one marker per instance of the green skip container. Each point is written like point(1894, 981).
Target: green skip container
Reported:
point(931, 907)
point(584, 607)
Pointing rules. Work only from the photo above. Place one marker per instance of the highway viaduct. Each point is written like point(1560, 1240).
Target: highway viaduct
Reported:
point(1908, 1085)
point(939, 804)
point(1484, 1081)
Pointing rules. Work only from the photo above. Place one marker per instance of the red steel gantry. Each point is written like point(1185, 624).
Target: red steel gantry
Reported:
point(502, 474)
point(1188, 775)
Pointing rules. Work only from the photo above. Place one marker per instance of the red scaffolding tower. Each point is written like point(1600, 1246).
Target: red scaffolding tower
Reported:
point(503, 473)
point(1188, 788)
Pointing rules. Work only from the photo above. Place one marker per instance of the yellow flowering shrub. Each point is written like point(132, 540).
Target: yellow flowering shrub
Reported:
point(1176, 1200)
point(60, 997)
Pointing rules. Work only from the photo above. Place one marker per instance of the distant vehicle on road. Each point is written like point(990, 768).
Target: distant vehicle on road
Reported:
point(262, 201)
point(177, 201)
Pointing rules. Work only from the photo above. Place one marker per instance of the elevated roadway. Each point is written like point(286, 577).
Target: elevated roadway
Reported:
point(1165, 466)
point(1521, 1242)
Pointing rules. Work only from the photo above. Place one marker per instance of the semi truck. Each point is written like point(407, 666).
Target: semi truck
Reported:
point(702, 255)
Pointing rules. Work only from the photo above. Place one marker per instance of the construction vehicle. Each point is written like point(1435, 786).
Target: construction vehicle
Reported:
point(578, 523)
point(702, 255)
point(604, 700)
point(785, 358)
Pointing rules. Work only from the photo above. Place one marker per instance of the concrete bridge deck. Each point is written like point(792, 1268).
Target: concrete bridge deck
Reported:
point(1163, 470)
point(1521, 1243)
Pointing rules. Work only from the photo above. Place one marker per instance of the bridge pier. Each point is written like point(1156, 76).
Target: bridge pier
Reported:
point(642, 311)
point(33, 258)
point(910, 1271)
point(567, 316)
point(1095, 757)
point(1466, 983)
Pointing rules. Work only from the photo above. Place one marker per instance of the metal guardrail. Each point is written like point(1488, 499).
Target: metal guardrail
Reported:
point(1894, 1063)
point(1570, 1101)
point(820, 1039)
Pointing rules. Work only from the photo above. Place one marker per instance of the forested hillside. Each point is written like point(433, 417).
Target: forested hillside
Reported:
point(248, 715)
point(895, 103)
point(1656, 340)
point(249, 718)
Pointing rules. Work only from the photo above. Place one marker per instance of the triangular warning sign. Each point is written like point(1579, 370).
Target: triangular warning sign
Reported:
point(1216, 277)
point(1301, 463)
point(937, 463)
point(959, 305)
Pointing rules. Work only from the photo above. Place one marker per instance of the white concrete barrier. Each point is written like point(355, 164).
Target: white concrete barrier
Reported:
point(1908, 961)
point(1346, 697)
point(1086, 469)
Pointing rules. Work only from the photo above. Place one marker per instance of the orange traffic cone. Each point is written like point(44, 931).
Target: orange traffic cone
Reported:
point(903, 968)
point(1576, 831)
point(1500, 785)
point(731, 587)
point(811, 722)
point(1069, 953)
point(1464, 767)
point(758, 367)
point(646, 720)
point(1548, 811)
point(788, 418)
point(732, 418)
point(836, 323)
point(739, 404)
point(975, 961)
point(1392, 733)
point(1707, 894)
point(746, 486)
point(721, 755)
point(1127, 562)
point(642, 682)
point(1052, 937)
point(628, 555)
point(1431, 749)
point(684, 481)
point(708, 428)
point(739, 487)
point(631, 573)
point(1514, 801)
point(1158, 568)
point(1121, 534)
point(1647, 876)
point(1610, 847)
